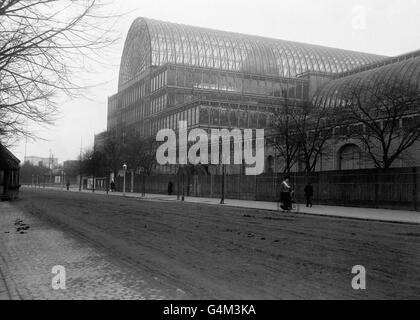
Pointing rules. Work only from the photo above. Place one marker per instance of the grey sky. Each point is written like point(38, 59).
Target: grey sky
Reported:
point(391, 27)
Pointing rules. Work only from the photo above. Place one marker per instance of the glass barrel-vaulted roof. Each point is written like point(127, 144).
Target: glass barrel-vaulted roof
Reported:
point(406, 72)
point(154, 43)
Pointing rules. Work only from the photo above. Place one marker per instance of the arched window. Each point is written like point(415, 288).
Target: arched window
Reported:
point(269, 165)
point(349, 157)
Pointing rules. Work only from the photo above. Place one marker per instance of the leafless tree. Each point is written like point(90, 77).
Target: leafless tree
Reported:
point(303, 133)
point(112, 151)
point(383, 116)
point(140, 154)
point(285, 140)
point(93, 163)
point(313, 128)
point(43, 45)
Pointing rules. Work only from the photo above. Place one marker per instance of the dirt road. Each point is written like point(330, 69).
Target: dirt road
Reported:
point(229, 253)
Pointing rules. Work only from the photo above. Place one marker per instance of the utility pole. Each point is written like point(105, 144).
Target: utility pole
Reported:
point(93, 167)
point(26, 146)
point(50, 166)
point(285, 94)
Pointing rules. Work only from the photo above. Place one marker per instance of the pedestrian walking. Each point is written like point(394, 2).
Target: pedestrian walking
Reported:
point(68, 185)
point(170, 188)
point(309, 193)
point(112, 186)
point(286, 194)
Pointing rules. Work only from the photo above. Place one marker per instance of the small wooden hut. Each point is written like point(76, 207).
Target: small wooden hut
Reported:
point(9, 175)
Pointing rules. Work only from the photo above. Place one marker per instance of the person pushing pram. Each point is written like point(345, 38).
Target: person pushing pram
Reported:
point(286, 195)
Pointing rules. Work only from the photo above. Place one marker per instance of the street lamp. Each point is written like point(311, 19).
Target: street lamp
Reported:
point(222, 201)
point(222, 160)
point(125, 170)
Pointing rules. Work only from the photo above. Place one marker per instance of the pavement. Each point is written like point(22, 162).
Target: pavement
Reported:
point(30, 248)
point(385, 215)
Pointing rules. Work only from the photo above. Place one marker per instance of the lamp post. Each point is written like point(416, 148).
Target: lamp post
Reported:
point(222, 160)
point(143, 179)
point(62, 179)
point(183, 186)
point(222, 200)
point(125, 171)
point(177, 180)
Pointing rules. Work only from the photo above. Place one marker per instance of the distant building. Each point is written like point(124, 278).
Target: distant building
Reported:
point(9, 175)
point(50, 163)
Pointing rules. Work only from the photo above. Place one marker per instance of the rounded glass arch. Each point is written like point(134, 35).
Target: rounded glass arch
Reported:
point(407, 71)
point(137, 53)
point(154, 43)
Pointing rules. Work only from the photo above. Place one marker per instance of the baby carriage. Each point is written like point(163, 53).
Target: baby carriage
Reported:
point(287, 202)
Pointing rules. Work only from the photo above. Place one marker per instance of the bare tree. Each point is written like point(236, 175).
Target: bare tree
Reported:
point(93, 164)
point(313, 128)
point(383, 117)
point(140, 155)
point(302, 134)
point(285, 140)
point(147, 159)
point(43, 43)
point(112, 151)
point(29, 174)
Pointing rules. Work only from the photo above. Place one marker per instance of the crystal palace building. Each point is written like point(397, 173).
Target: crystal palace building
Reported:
point(214, 79)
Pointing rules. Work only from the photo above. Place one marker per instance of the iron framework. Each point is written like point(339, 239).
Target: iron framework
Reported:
point(154, 43)
point(403, 72)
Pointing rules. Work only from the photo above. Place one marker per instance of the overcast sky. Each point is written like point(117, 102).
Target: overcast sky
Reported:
point(386, 27)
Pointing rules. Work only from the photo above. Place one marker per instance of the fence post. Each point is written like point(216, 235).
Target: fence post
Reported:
point(377, 189)
point(256, 189)
point(211, 186)
point(415, 188)
point(178, 186)
point(132, 181)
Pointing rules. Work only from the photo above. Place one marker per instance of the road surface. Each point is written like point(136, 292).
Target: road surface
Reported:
point(211, 252)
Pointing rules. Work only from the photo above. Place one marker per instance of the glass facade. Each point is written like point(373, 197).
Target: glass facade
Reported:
point(214, 79)
point(153, 43)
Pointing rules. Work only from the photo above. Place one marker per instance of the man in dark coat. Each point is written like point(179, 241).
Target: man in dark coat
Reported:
point(170, 188)
point(309, 193)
